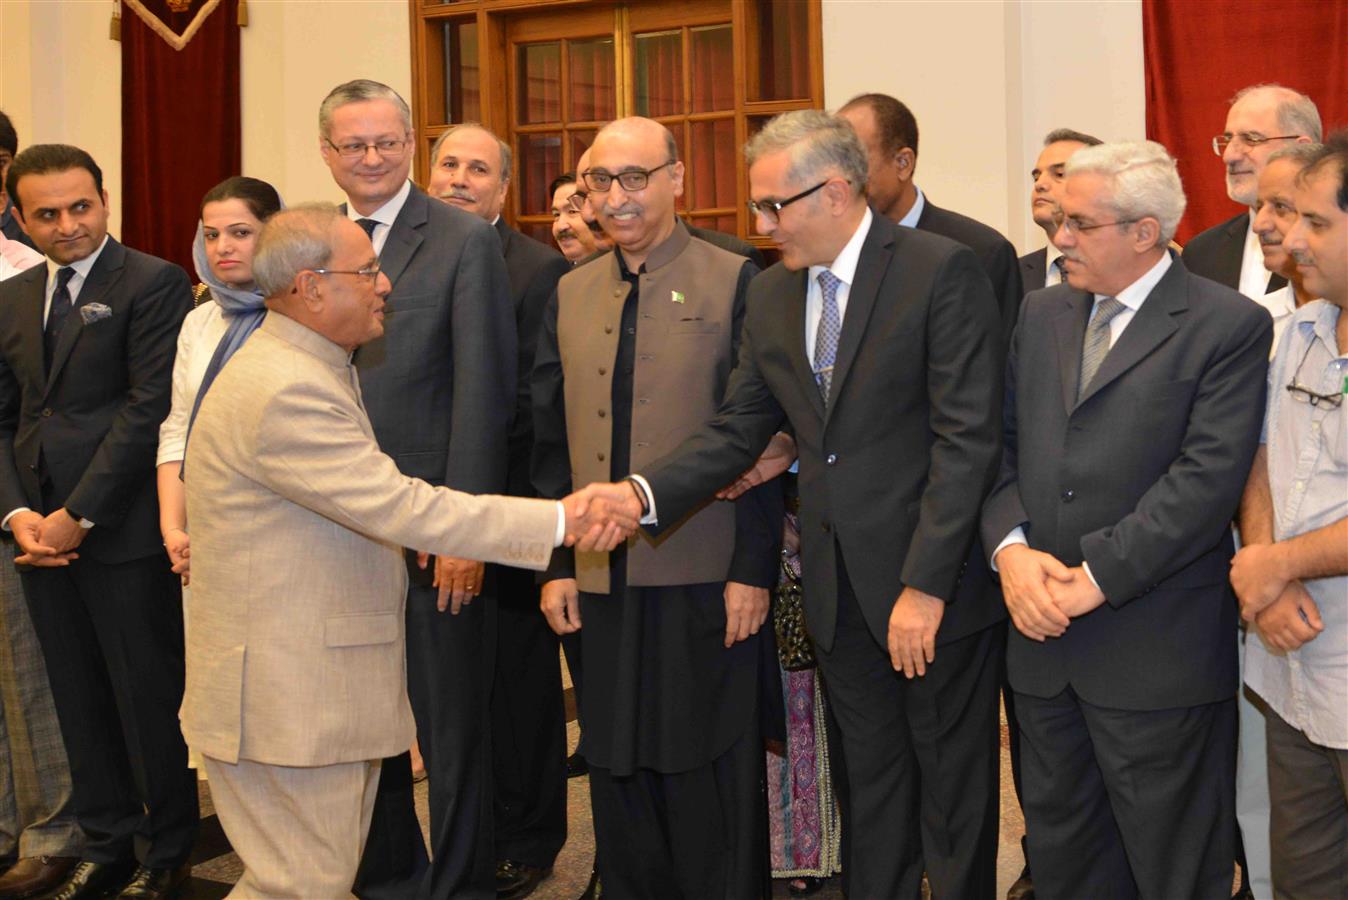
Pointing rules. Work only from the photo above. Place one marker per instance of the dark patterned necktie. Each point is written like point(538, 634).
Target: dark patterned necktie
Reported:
point(56, 315)
point(826, 339)
point(1095, 347)
point(368, 225)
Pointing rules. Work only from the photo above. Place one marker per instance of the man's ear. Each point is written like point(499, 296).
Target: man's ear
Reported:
point(905, 161)
point(307, 287)
point(676, 174)
point(1148, 234)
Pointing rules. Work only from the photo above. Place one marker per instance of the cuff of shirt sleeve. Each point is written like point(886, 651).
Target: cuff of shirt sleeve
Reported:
point(1017, 536)
point(1086, 567)
point(4, 523)
point(559, 537)
point(650, 517)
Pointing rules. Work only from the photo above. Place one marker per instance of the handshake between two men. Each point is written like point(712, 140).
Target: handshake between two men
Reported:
point(601, 516)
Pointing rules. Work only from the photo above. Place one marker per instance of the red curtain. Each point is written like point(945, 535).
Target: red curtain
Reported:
point(180, 123)
point(1197, 55)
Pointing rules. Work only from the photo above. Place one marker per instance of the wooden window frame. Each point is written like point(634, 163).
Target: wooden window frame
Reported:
point(493, 18)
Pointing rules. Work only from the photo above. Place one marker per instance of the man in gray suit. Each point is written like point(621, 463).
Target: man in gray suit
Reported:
point(1133, 401)
point(440, 389)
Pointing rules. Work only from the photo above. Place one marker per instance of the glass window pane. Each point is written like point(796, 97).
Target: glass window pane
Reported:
point(539, 231)
point(779, 67)
point(594, 94)
point(659, 73)
point(463, 101)
point(539, 75)
point(713, 162)
point(580, 142)
point(540, 161)
point(711, 63)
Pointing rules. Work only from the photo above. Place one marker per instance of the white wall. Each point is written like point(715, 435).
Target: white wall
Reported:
point(985, 78)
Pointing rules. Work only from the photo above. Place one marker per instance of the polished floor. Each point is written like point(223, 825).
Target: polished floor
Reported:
point(216, 868)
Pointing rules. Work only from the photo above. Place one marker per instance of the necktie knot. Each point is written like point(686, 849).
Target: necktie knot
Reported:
point(1106, 310)
point(368, 225)
point(63, 276)
point(829, 283)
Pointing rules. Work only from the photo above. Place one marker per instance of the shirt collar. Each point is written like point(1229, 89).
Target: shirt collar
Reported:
point(910, 220)
point(1320, 317)
point(844, 266)
point(1133, 295)
point(81, 266)
point(1051, 255)
point(385, 214)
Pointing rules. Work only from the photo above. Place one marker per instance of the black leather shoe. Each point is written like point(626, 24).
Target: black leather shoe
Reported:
point(1023, 887)
point(576, 766)
point(156, 884)
point(35, 875)
point(515, 880)
point(595, 889)
point(93, 881)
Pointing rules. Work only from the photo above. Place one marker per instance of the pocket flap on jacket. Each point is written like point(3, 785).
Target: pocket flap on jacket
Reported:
point(352, 631)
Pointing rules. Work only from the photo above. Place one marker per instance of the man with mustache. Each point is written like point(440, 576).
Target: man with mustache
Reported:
point(1292, 574)
point(470, 169)
point(569, 229)
point(1262, 118)
point(439, 386)
point(636, 349)
point(1275, 213)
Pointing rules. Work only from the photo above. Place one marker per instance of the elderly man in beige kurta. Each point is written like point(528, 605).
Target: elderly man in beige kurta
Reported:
point(296, 681)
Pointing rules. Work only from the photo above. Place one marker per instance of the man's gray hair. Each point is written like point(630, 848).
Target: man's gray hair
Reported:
point(359, 91)
point(1297, 113)
point(1301, 154)
point(291, 241)
point(507, 157)
point(817, 142)
point(1144, 181)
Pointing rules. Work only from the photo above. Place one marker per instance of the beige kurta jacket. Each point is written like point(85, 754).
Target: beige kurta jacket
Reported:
point(295, 643)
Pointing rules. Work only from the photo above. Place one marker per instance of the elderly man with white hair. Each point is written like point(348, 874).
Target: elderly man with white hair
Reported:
point(1133, 401)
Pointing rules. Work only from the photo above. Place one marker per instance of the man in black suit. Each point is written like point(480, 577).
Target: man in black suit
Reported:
point(1262, 118)
point(470, 169)
point(86, 359)
point(1133, 404)
point(440, 390)
point(9, 148)
point(888, 131)
point(881, 347)
point(1043, 268)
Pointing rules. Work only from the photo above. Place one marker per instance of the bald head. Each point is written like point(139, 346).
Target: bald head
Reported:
point(634, 179)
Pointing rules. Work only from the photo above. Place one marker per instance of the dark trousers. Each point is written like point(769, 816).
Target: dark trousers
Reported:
point(528, 727)
point(695, 835)
point(1128, 803)
point(449, 669)
point(1308, 790)
point(920, 761)
point(112, 635)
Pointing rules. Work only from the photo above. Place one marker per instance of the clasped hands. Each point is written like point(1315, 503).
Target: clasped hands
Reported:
point(601, 516)
point(1277, 604)
point(1043, 595)
point(46, 540)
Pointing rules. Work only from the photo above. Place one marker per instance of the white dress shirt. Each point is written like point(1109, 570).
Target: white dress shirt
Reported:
point(910, 219)
point(383, 216)
point(197, 340)
point(1280, 305)
point(76, 282)
point(1052, 265)
point(1132, 298)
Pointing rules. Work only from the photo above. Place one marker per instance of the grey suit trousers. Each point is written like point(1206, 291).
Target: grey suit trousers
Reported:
point(36, 815)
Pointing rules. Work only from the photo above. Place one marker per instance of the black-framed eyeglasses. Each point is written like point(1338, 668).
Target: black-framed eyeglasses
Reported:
point(631, 180)
point(772, 209)
point(1300, 392)
point(370, 272)
point(387, 148)
point(1072, 225)
point(1250, 139)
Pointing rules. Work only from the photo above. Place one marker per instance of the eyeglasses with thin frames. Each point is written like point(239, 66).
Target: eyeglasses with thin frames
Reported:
point(631, 180)
point(370, 272)
point(577, 201)
point(1300, 392)
point(1250, 139)
point(388, 148)
point(1073, 225)
point(772, 209)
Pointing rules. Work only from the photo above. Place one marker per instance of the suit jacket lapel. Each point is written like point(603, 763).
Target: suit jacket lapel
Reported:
point(404, 237)
point(107, 269)
point(876, 251)
point(1069, 329)
point(1152, 325)
point(795, 338)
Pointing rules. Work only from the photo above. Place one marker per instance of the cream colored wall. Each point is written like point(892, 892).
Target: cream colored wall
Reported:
point(985, 78)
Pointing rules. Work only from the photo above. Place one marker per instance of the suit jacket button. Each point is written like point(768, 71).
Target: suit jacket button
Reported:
point(832, 458)
point(601, 455)
point(1068, 495)
point(46, 412)
point(603, 370)
point(602, 413)
point(825, 527)
point(608, 329)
